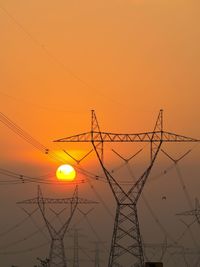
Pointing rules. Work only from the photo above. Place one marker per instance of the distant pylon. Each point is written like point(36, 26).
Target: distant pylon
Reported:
point(57, 256)
point(126, 239)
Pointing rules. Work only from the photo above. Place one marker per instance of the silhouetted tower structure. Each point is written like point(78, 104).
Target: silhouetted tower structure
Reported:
point(126, 239)
point(57, 256)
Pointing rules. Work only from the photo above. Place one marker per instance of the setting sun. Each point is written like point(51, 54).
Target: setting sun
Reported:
point(66, 173)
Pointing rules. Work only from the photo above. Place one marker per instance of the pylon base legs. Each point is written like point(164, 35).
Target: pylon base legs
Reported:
point(57, 254)
point(126, 246)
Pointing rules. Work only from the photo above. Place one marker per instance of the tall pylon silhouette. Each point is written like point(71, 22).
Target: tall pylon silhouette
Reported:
point(126, 244)
point(57, 257)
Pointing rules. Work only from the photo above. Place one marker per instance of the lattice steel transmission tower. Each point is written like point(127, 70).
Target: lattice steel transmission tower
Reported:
point(126, 239)
point(57, 257)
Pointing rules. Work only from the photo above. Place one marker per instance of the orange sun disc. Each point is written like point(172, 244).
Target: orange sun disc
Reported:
point(66, 173)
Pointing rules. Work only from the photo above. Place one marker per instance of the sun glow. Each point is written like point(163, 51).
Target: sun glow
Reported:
point(66, 173)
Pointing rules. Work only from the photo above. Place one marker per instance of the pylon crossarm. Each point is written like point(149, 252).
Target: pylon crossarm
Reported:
point(83, 137)
point(135, 137)
point(56, 201)
point(29, 201)
point(172, 137)
point(47, 201)
point(81, 200)
point(110, 137)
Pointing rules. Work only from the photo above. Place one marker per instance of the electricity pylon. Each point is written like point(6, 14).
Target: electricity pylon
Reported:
point(126, 239)
point(57, 256)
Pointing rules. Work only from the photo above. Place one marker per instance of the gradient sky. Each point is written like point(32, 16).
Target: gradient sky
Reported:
point(125, 59)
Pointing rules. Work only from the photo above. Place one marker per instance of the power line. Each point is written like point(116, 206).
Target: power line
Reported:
point(17, 225)
point(28, 138)
point(126, 239)
point(52, 56)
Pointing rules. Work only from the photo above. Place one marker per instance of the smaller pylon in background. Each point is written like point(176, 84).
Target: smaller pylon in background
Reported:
point(57, 256)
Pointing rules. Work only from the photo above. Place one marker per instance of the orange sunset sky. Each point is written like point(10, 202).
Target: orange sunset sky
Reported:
point(126, 59)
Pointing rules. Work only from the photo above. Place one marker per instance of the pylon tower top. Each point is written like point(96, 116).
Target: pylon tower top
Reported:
point(157, 135)
point(126, 244)
point(57, 256)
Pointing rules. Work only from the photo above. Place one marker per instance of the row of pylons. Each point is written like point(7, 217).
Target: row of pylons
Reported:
point(126, 239)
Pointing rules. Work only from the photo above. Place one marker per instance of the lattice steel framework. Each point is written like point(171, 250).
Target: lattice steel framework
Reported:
point(57, 257)
point(126, 239)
